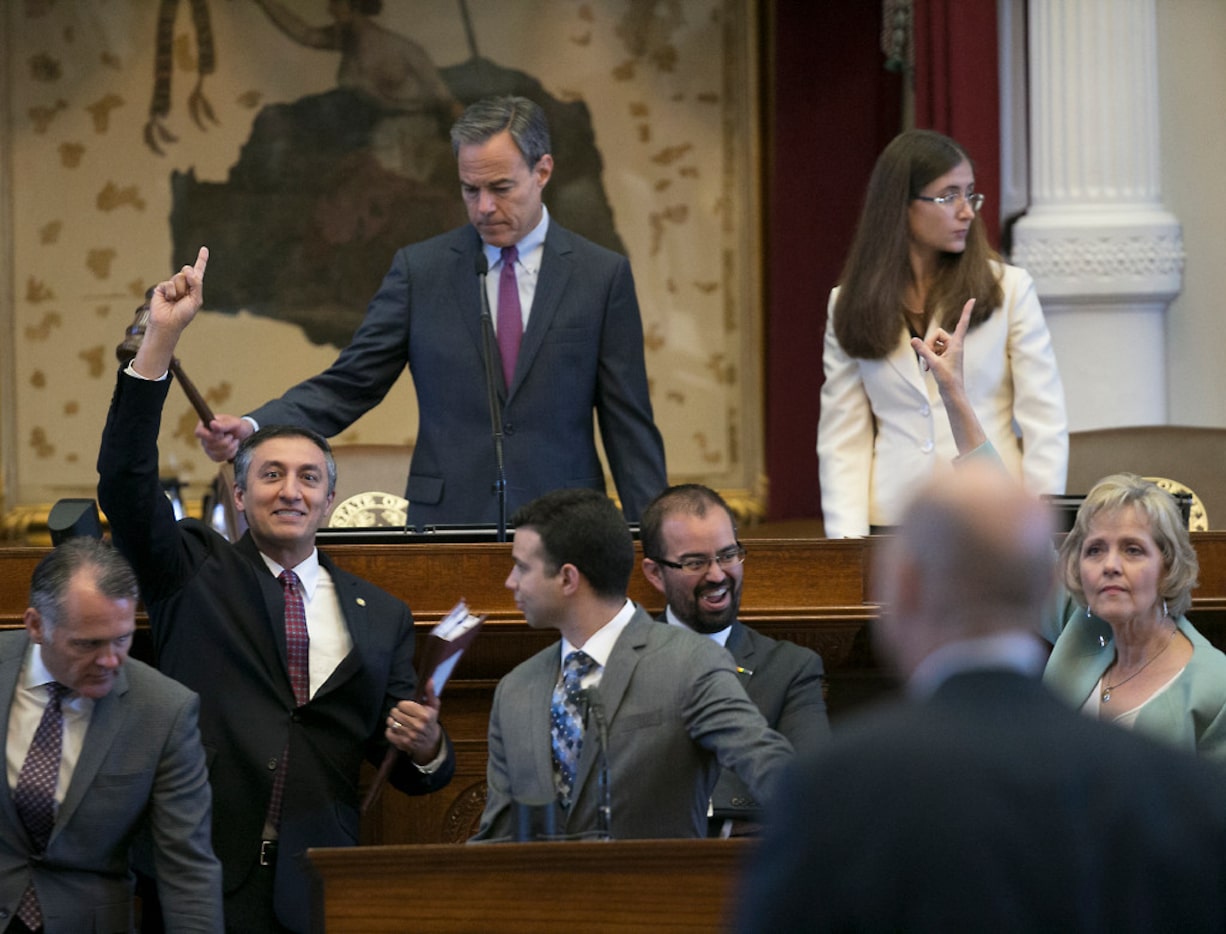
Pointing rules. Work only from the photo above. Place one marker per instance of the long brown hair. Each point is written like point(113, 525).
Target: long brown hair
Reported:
point(868, 313)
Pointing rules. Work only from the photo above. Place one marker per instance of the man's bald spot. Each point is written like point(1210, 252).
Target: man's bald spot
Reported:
point(979, 540)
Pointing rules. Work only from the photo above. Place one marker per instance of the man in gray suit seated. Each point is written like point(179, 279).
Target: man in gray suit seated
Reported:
point(648, 712)
point(691, 554)
point(99, 748)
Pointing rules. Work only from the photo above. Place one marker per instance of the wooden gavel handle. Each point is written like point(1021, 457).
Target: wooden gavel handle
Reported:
point(193, 394)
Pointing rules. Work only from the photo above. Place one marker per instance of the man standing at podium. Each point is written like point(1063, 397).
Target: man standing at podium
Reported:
point(569, 348)
point(302, 669)
point(620, 729)
point(691, 554)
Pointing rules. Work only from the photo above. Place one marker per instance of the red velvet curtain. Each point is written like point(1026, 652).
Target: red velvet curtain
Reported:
point(831, 107)
point(957, 86)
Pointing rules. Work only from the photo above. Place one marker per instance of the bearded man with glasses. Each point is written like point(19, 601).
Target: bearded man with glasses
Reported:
point(701, 579)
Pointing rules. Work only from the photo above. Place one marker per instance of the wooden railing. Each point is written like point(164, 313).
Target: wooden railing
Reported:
point(816, 592)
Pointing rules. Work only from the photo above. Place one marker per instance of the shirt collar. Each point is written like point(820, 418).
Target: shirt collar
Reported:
point(307, 571)
point(1010, 651)
point(529, 247)
point(36, 672)
point(600, 645)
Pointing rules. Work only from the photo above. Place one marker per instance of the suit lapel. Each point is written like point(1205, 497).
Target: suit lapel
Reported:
point(466, 294)
point(550, 286)
point(10, 668)
point(104, 725)
point(906, 364)
point(268, 633)
point(537, 703)
point(357, 619)
point(743, 650)
point(613, 684)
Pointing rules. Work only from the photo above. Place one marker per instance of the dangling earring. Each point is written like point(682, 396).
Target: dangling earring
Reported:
point(1164, 612)
point(1088, 613)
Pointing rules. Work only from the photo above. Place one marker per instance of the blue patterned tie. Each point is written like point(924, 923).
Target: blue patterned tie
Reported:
point(566, 723)
point(34, 796)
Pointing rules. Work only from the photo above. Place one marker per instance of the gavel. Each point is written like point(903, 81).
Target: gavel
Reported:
point(126, 351)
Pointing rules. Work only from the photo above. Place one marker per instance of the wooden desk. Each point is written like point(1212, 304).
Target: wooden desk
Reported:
point(630, 885)
point(811, 591)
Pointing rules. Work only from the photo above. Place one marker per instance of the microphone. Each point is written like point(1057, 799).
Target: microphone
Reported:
point(604, 811)
point(493, 373)
point(481, 263)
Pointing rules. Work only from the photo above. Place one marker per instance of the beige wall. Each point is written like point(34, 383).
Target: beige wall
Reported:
point(1192, 89)
point(89, 205)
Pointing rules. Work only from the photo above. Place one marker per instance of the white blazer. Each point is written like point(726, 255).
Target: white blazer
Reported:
point(882, 428)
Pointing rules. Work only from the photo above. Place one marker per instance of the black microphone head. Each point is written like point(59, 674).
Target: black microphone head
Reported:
point(481, 263)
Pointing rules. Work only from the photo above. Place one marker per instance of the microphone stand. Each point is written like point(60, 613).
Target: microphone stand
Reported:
point(604, 812)
point(491, 388)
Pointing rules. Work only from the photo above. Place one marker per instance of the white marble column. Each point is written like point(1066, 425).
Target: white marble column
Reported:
point(1106, 256)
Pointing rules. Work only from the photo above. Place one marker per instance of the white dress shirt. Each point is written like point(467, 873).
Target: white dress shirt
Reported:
point(29, 701)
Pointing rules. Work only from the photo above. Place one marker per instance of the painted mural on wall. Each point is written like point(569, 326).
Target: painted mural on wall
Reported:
point(305, 142)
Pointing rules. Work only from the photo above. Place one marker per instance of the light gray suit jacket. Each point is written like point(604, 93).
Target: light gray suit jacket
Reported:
point(675, 713)
point(142, 769)
point(1190, 714)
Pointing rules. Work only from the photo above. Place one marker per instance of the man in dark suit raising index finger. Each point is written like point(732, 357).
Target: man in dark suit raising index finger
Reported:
point(303, 670)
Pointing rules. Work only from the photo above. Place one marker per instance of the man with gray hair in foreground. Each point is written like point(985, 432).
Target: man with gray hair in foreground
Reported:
point(102, 752)
point(982, 802)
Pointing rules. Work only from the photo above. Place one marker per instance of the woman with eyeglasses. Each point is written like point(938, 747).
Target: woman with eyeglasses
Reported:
point(919, 253)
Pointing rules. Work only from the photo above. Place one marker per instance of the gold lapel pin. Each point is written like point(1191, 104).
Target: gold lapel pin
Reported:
point(361, 601)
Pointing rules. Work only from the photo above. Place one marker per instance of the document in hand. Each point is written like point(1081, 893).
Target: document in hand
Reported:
point(442, 649)
point(436, 658)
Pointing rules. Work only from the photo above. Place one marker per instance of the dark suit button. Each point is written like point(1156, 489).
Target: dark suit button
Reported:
point(4, 914)
point(272, 765)
point(508, 428)
point(296, 717)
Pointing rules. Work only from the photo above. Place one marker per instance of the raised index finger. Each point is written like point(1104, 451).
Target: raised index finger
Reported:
point(964, 321)
point(202, 260)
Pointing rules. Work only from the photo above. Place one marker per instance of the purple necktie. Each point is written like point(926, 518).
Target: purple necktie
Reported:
point(34, 796)
point(510, 316)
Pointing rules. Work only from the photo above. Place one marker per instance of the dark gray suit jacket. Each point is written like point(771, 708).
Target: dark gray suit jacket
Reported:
point(142, 768)
point(785, 682)
point(675, 714)
point(991, 807)
point(582, 350)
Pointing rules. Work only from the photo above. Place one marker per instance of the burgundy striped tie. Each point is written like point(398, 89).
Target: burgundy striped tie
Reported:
point(297, 656)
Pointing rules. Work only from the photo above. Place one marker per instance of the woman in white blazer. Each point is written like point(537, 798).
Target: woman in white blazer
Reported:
point(919, 253)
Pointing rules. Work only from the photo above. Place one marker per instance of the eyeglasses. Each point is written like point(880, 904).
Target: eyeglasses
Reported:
point(694, 564)
point(975, 200)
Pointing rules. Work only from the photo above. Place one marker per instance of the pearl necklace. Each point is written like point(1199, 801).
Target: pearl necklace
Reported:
point(1108, 688)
